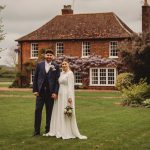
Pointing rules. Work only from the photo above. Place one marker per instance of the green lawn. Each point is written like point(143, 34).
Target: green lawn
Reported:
point(7, 79)
point(107, 125)
point(5, 84)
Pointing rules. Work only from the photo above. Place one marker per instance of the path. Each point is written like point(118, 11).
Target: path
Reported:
point(30, 89)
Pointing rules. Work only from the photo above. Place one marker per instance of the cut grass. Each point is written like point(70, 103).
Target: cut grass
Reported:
point(108, 126)
point(5, 84)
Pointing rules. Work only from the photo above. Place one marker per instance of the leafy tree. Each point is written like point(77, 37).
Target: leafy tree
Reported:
point(137, 57)
point(1, 28)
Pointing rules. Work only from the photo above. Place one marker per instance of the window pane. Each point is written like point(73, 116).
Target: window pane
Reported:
point(111, 76)
point(94, 77)
point(32, 75)
point(59, 49)
point(102, 76)
point(34, 50)
point(86, 48)
point(113, 48)
point(78, 79)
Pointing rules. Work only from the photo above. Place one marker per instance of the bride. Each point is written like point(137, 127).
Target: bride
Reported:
point(61, 125)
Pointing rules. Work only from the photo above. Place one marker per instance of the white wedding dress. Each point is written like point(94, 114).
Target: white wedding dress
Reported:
point(62, 126)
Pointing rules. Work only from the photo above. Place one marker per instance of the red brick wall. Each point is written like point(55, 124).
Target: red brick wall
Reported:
point(26, 47)
point(25, 51)
point(74, 48)
point(71, 48)
point(97, 47)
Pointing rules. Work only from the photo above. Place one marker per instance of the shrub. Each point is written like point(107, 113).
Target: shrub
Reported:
point(146, 103)
point(136, 93)
point(124, 80)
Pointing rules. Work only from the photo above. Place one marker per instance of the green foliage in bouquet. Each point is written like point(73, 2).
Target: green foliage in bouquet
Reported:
point(124, 80)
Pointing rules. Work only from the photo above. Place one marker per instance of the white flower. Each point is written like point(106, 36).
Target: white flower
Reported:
point(65, 111)
point(70, 111)
point(53, 67)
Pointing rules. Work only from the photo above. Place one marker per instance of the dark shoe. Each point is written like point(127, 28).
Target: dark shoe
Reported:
point(46, 132)
point(36, 134)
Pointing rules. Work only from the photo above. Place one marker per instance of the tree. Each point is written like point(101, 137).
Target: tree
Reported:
point(137, 57)
point(12, 57)
point(2, 35)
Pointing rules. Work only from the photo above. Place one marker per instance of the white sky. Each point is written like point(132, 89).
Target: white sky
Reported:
point(21, 17)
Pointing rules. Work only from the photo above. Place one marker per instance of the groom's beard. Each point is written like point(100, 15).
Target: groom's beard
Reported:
point(48, 60)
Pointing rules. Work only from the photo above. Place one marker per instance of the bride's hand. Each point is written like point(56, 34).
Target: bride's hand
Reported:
point(69, 100)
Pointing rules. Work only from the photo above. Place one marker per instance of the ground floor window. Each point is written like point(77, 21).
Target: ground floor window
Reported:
point(77, 78)
point(102, 76)
point(32, 76)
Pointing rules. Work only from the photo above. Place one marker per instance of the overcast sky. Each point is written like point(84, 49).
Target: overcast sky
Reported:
point(21, 17)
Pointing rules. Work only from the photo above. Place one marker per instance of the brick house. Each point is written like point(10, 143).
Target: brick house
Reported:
point(78, 35)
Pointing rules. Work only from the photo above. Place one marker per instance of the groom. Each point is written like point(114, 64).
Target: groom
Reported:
point(45, 88)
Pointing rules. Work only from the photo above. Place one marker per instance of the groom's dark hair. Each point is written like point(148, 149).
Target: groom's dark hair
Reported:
point(49, 51)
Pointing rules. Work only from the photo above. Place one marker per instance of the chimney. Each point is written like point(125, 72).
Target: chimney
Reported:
point(145, 17)
point(67, 10)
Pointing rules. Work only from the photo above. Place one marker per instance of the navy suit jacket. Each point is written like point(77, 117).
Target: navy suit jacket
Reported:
point(53, 76)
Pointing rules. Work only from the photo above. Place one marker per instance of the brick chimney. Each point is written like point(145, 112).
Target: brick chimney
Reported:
point(145, 17)
point(67, 10)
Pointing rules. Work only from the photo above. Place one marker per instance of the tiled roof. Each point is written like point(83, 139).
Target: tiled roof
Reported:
point(81, 26)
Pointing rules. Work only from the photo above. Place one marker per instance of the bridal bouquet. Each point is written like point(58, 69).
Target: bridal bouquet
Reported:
point(68, 111)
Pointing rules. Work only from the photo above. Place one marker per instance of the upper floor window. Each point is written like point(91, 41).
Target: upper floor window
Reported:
point(59, 49)
point(113, 49)
point(34, 50)
point(85, 49)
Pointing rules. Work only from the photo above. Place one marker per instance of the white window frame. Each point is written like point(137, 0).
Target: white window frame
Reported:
point(59, 47)
point(77, 78)
point(33, 50)
point(113, 49)
point(86, 48)
point(98, 69)
point(32, 76)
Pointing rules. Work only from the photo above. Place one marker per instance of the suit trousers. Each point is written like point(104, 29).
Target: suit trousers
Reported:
point(43, 98)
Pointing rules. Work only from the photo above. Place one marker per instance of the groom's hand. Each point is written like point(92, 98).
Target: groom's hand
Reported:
point(36, 93)
point(54, 96)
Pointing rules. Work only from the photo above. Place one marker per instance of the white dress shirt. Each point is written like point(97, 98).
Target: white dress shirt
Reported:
point(47, 66)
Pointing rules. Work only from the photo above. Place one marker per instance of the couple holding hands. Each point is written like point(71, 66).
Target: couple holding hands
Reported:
point(56, 91)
